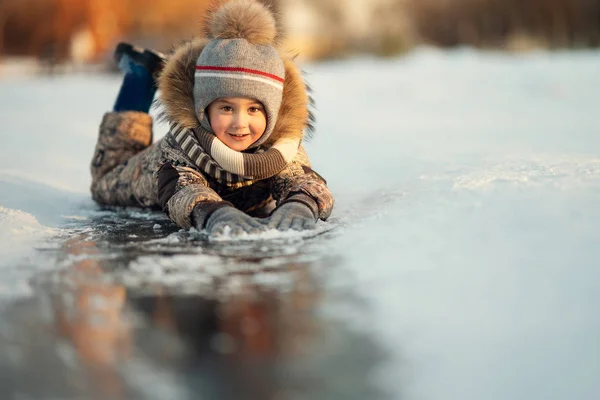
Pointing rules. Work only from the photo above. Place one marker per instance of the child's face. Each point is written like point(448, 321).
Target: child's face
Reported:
point(237, 121)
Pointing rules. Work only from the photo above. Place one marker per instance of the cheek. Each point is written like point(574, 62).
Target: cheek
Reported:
point(218, 123)
point(260, 124)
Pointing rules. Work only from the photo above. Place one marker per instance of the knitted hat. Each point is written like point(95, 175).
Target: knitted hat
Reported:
point(240, 61)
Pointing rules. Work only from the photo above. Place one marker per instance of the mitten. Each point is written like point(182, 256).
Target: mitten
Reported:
point(238, 221)
point(292, 215)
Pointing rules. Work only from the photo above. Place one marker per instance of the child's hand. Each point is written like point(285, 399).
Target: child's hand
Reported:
point(293, 215)
point(238, 221)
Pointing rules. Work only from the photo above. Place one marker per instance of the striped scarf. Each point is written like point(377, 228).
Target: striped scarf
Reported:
point(230, 167)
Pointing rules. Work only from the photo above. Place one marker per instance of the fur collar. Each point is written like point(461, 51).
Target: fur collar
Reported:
point(176, 86)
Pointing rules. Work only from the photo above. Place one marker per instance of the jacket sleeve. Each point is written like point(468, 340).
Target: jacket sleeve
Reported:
point(180, 190)
point(298, 182)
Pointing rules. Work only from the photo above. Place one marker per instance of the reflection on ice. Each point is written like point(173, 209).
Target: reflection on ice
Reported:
point(198, 325)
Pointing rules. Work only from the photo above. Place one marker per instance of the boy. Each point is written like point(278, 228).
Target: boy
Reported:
point(237, 110)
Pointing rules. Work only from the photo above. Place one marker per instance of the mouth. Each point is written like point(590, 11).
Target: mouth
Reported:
point(237, 136)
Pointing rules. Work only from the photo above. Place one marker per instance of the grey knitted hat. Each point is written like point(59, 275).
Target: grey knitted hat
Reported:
point(240, 61)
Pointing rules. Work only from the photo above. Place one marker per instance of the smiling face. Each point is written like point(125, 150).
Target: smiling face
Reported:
point(237, 121)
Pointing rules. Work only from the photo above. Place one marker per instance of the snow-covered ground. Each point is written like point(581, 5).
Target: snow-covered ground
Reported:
point(468, 191)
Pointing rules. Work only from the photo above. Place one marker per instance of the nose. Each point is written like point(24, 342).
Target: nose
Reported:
point(240, 121)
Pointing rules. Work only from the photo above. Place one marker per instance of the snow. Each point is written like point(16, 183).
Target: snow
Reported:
point(18, 228)
point(467, 187)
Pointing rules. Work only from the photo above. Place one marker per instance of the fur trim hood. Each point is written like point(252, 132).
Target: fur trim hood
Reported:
point(176, 86)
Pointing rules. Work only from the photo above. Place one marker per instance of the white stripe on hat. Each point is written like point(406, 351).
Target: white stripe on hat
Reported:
point(205, 74)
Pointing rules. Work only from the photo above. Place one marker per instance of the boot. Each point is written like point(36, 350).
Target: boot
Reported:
point(152, 60)
point(141, 68)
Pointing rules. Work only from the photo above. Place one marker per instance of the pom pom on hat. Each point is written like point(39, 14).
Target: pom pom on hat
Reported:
point(242, 19)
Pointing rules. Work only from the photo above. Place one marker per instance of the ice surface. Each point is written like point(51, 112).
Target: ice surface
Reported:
point(467, 187)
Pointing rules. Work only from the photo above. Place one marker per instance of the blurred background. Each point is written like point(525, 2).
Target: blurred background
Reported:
point(82, 33)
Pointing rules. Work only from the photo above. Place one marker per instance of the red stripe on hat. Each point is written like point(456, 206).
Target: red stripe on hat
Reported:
point(234, 69)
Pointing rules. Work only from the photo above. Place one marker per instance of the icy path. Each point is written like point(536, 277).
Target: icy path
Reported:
point(467, 188)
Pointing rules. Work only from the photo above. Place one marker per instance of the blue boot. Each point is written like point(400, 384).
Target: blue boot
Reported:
point(139, 85)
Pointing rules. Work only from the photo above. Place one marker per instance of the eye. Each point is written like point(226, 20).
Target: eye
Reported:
point(227, 108)
point(254, 109)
